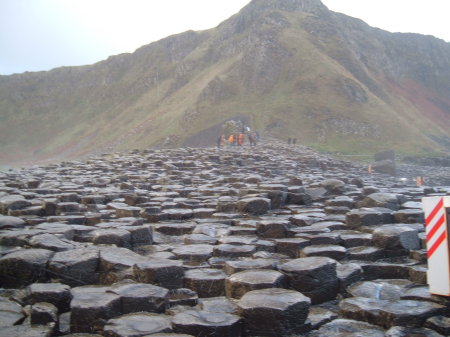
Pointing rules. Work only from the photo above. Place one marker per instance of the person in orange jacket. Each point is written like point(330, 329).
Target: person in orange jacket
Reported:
point(241, 139)
point(231, 139)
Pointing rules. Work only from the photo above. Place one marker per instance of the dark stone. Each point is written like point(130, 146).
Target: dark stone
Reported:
point(162, 272)
point(440, 324)
point(347, 274)
point(302, 220)
point(333, 251)
point(396, 237)
point(385, 166)
point(51, 242)
point(418, 274)
point(234, 251)
point(238, 284)
point(10, 222)
point(23, 267)
point(218, 304)
point(409, 216)
point(199, 239)
point(356, 239)
point(298, 198)
point(348, 328)
point(232, 267)
point(272, 228)
point(319, 316)
point(368, 217)
point(254, 206)
point(137, 325)
point(64, 325)
point(314, 277)
point(137, 297)
point(334, 186)
point(43, 313)
point(91, 307)
point(206, 324)
point(116, 264)
point(182, 296)
point(194, 254)
point(365, 253)
point(399, 331)
point(13, 202)
point(174, 228)
point(291, 246)
point(205, 282)
point(112, 236)
point(75, 267)
point(55, 293)
point(344, 201)
point(384, 269)
point(27, 330)
point(385, 200)
point(10, 313)
point(274, 312)
point(389, 313)
point(380, 289)
point(178, 214)
point(140, 235)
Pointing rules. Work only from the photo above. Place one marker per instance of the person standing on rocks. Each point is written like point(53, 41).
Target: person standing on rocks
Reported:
point(231, 140)
point(252, 138)
point(220, 141)
point(241, 139)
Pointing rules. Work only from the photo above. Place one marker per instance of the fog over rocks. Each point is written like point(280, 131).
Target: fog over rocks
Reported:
point(272, 240)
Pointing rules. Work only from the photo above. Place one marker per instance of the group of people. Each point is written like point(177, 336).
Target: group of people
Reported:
point(238, 139)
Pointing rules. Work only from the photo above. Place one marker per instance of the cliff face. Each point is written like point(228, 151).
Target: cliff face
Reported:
point(289, 67)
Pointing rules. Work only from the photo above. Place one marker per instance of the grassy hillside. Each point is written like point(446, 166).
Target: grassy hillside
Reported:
point(290, 68)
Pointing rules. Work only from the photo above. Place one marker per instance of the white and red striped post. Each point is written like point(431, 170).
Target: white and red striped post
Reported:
point(438, 245)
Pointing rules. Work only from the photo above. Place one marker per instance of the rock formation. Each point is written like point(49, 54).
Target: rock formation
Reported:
point(272, 240)
point(289, 67)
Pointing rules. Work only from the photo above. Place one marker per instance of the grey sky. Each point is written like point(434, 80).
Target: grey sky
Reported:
point(40, 35)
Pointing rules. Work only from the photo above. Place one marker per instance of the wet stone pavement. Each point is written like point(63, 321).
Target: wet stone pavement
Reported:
point(274, 240)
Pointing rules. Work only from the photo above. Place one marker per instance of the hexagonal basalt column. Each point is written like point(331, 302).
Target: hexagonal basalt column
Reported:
point(162, 272)
point(138, 324)
point(314, 277)
point(240, 283)
point(206, 324)
point(274, 312)
point(206, 282)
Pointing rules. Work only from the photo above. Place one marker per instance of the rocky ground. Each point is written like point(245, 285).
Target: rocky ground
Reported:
point(274, 240)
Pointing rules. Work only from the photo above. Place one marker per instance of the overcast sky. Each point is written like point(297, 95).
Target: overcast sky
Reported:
point(43, 34)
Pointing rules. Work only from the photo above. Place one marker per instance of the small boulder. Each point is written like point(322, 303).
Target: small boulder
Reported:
point(274, 312)
point(254, 206)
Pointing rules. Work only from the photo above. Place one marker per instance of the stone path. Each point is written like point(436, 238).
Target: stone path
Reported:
point(274, 240)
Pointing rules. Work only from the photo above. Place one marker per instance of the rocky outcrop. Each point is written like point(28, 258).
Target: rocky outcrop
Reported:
point(391, 85)
point(207, 242)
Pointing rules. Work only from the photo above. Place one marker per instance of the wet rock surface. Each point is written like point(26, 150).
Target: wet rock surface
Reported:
point(273, 240)
point(274, 312)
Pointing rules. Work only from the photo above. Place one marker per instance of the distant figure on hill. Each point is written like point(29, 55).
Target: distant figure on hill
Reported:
point(231, 140)
point(241, 139)
point(220, 141)
point(252, 138)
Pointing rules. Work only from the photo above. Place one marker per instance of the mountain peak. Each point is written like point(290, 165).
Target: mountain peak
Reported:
point(311, 6)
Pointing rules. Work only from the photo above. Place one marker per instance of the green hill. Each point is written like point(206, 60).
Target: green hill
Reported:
point(290, 68)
